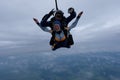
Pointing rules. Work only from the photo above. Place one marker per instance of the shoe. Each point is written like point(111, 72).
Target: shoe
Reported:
point(53, 47)
point(68, 46)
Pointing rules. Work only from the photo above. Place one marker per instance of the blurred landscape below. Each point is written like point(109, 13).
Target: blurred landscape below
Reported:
point(60, 66)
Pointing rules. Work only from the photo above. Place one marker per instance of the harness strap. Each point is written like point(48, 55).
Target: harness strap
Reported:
point(59, 40)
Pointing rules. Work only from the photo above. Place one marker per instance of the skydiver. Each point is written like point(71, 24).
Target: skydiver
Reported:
point(59, 16)
point(60, 39)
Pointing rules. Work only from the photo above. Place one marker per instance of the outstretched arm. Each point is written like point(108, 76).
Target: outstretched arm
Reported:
point(43, 28)
point(44, 21)
point(72, 13)
point(76, 21)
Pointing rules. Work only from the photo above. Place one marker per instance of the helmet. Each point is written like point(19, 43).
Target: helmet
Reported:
point(57, 22)
point(59, 12)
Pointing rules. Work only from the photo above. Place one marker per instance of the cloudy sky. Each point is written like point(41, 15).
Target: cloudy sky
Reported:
point(97, 30)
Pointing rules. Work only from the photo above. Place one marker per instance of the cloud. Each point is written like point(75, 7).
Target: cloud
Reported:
point(98, 25)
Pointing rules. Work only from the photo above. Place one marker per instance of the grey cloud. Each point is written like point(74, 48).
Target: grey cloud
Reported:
point(99, 23)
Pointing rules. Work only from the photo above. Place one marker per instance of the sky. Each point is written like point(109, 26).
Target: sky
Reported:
point(97, 30)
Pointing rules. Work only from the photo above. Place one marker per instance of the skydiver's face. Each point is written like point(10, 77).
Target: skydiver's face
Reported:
point(58, 16)
point(57, 27)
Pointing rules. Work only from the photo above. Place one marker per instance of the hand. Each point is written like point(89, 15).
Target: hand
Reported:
point(36, 21)
point(67, 28)
point(51, 31)
point(51, 12)
point(70, 10)
point(79, 15)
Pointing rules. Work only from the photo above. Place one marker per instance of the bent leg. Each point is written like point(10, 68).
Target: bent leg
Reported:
point(56, 46)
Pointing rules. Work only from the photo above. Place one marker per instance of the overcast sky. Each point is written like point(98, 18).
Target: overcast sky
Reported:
point(97, 30)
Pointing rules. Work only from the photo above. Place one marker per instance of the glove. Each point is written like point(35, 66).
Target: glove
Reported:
point(70, 10)
point(51, 12)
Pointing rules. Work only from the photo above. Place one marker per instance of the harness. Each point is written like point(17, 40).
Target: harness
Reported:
point(61, 35)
